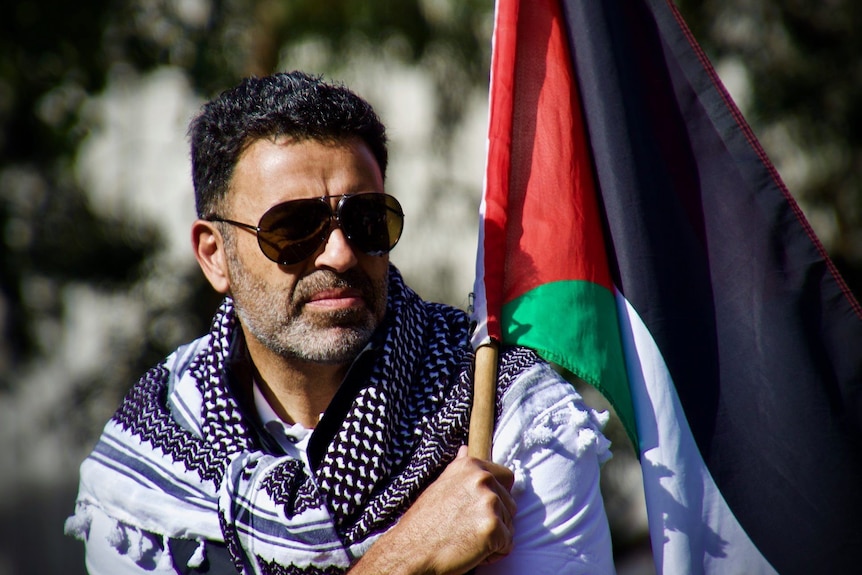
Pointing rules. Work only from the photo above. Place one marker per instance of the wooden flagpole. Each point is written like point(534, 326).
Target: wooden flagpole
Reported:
point(484, 401)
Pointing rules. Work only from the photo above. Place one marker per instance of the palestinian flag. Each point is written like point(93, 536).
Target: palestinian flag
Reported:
point(634, 231)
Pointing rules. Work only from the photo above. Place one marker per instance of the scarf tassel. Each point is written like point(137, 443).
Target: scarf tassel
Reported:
point(165, 561)
point(197, 559)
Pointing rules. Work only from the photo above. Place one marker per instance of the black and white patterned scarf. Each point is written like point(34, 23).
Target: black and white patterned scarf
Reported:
point(181, 459)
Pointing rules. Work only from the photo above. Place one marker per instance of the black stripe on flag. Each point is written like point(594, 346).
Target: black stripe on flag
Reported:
point(761, 336)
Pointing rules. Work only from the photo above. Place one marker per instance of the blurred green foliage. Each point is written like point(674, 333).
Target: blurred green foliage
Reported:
point(53, 55)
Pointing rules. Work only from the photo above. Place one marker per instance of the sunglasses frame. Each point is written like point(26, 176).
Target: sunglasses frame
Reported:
point(390, 204)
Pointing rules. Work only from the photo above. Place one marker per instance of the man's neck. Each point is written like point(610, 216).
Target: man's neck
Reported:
point(298, 391)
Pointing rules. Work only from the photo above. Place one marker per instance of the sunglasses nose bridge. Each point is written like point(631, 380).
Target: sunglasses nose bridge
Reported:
point(335, 216)
point(336, 252)
point(334, 221)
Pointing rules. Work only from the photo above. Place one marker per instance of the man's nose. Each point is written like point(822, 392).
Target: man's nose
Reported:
point(337, 255)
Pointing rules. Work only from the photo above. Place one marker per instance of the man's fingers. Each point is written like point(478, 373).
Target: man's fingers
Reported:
point(510, 508)
point(500, 482)
point(504, 542)
point(502, 474)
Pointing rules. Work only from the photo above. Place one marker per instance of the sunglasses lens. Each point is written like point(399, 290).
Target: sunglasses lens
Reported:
point(292, 231)
point(372, 222)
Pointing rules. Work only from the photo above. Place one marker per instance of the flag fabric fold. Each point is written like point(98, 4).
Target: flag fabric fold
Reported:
point(539, 287)
point(633, 231)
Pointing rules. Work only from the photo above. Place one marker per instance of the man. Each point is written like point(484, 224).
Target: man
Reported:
point(319, 426)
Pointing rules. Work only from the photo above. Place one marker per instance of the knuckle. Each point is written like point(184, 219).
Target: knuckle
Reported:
point(484, 479)
point(488, 528)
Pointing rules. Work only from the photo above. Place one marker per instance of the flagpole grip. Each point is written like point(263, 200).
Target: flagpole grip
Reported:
point(484, 402)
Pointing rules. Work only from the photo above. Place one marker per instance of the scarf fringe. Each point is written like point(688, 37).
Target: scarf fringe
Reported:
point(197, 559)
point(78, 525)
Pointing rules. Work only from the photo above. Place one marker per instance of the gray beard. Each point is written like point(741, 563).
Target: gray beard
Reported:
point(303, 340)
point(284, 328)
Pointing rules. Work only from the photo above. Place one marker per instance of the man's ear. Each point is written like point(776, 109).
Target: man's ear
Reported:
point(208, 245)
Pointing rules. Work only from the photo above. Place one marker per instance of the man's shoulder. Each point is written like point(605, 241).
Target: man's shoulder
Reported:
point(539, 404)
point(514, 363)
point(179, 360)
point(515, 359)
point(169, 389)
point(531, 386)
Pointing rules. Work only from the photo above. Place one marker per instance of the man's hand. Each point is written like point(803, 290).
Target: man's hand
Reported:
point(462, 520)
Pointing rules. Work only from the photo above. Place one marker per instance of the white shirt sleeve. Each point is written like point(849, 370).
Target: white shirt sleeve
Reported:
point(554, 444)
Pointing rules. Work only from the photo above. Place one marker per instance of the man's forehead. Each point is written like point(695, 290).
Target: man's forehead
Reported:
point(277, 169)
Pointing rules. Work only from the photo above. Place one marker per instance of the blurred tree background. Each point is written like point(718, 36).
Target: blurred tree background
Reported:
point(96, 279)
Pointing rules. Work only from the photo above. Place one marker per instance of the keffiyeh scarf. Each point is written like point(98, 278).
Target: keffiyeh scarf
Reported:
point(180, 458)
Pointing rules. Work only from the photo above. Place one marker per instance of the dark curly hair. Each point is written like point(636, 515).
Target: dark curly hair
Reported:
point(293, 104)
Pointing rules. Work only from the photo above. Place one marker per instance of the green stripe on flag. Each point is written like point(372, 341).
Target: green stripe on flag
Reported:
point(574, 324)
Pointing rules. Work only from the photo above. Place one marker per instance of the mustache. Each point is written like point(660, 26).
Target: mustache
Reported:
point(320, 280)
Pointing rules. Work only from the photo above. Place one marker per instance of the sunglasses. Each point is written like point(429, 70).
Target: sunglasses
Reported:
point(291, 232)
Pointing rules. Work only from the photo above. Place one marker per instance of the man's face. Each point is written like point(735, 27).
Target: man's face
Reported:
point(323, 309)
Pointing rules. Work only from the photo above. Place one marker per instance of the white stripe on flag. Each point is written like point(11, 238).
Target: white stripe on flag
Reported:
point(479, 311)
point(692, 528)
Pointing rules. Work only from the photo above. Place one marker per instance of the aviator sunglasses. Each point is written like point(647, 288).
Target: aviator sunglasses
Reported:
point(291, 232)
